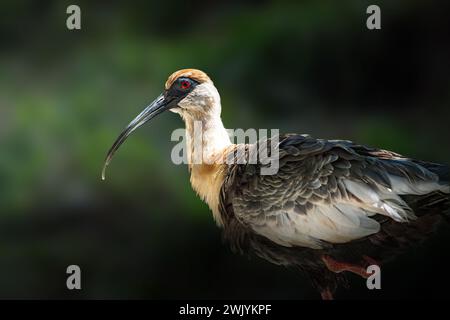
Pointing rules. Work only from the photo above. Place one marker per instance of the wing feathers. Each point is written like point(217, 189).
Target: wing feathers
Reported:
point(325, 191)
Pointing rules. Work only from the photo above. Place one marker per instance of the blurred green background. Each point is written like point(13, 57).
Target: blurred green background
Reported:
point(307, 67)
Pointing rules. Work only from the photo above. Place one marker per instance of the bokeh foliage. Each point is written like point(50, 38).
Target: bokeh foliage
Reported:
point(309, 67)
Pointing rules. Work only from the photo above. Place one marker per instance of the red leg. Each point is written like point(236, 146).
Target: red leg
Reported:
point(337, 266)
point(370, 261)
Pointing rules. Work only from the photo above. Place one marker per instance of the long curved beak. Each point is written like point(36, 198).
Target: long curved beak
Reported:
point(152, 110)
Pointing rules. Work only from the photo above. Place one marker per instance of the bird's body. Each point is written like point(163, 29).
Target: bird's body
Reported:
point(332, 206)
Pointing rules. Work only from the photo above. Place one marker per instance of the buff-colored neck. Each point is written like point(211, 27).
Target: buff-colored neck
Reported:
point(207, 142)
point(206, 138)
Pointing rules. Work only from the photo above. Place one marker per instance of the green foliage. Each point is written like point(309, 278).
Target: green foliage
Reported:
point(307, 67)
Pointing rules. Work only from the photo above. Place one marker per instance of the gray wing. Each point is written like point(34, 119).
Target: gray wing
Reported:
point(324, 192)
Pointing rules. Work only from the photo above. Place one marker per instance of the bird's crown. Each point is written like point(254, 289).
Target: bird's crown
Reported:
point(193, 74)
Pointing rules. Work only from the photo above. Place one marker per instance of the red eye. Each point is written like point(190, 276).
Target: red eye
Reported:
point(185, 84)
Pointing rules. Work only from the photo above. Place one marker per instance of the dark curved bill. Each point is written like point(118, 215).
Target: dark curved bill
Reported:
point(156, 107)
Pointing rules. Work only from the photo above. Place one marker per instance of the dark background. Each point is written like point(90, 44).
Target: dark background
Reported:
point(310, 67)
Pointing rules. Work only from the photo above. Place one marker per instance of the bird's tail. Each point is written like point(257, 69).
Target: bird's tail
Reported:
point(436, 202)
point(440, 200)
point(441, 170)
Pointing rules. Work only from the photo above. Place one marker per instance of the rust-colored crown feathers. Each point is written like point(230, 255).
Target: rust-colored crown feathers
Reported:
point(194, 74)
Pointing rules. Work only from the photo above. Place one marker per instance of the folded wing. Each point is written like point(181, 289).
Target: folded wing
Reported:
point(325, 192)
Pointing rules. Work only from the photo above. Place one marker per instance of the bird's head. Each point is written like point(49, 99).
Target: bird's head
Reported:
point(189, 92)
point(194, 94)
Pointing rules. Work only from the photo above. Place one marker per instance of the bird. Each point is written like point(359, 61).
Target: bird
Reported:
point(334, 207)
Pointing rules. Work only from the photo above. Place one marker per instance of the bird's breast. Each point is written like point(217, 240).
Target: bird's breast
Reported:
point(207, 180)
